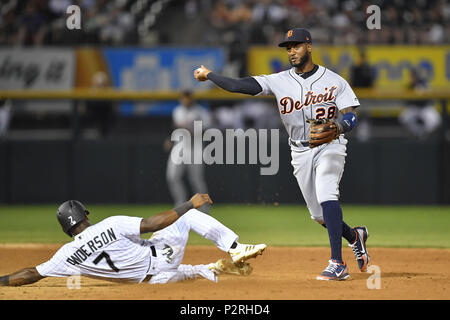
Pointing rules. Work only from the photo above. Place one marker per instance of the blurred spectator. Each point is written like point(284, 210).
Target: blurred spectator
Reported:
point(361, 73)
point(220, 15)
point(116, 26)
point(184, 116)
point(59, 7)
point(100, 113)
point(420, 116)
point(9, 26)
point(33, 25)
point(268, 18)
point(126, 22)
point(362, 76)
point(5, 117)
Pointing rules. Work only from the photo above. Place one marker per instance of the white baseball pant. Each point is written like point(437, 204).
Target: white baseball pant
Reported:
point(318, 172)
point(170, 244)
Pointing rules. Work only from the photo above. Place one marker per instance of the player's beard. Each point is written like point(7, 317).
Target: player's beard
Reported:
point(303, 61)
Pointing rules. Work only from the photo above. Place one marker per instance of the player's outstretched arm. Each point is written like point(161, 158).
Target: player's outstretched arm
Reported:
point(247, 85)
point(20, 278)
point(166, 218)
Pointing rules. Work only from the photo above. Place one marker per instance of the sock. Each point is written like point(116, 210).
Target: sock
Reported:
point(332, 215)
point(234, 245)
point(347, 232)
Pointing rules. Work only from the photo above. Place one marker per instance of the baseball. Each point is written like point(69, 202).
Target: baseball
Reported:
point(198, 70)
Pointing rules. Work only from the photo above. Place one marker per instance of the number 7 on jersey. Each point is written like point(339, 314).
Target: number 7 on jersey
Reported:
point(108, 260)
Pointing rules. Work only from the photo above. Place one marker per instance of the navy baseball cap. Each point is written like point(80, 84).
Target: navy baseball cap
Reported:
point(296, 35)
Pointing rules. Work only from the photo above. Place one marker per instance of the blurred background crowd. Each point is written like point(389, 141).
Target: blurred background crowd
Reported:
point(154, 45)
point(234, 25)
point(222, 22)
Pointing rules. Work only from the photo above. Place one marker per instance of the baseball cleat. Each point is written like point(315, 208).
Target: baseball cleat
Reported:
point(359, 248)
point(334, 271)
point(244, 252)
point(226, 266)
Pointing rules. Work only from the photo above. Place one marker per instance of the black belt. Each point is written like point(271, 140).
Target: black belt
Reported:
point(299, 145)
point(149, 276)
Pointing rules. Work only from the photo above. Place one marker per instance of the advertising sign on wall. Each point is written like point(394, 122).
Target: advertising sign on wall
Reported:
point(392, 64)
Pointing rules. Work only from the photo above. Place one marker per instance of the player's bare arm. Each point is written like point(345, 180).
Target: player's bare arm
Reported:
point(246, 85)
point(166, 218)
point(20, 278)
point(349, 109)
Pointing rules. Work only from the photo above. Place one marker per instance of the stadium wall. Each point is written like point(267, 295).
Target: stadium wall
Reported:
point(378, 172)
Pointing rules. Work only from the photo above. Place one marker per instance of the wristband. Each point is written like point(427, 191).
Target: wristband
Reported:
point(183, 208)
point(348, 122)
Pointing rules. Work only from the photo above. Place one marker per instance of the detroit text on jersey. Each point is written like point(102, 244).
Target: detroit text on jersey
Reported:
point(289, 105)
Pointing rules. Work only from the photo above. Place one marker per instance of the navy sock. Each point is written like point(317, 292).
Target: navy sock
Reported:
point(332, 215)
point(347, 232)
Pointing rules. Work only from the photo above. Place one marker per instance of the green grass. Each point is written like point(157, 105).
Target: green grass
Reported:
point(284, 225)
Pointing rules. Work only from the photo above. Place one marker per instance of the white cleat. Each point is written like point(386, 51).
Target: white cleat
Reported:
point(244, 252)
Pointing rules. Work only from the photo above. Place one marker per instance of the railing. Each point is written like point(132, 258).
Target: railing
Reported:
point(77, 95)
point(214, 94)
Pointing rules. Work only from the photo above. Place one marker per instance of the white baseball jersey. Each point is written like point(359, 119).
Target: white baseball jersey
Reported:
point(112, 248)
point(320, 93)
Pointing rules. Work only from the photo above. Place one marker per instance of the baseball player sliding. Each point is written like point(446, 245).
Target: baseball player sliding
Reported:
point(309, 97)
point(113, 248)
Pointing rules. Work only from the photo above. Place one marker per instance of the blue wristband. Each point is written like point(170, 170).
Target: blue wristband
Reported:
point(348, 122)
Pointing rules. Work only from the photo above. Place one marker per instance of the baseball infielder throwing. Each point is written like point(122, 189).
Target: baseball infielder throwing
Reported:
point(113, 248)
point(309, 97)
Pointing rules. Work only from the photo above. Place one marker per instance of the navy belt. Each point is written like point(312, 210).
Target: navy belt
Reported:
point(299, 145)
point(149, 276)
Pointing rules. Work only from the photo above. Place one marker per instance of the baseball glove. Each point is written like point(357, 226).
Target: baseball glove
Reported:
point(323, 131)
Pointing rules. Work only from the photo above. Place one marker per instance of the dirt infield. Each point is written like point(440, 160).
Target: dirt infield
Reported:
point(281, 273)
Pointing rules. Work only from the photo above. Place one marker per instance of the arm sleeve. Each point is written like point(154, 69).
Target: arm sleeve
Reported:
point(247, 85)
point(346, 97)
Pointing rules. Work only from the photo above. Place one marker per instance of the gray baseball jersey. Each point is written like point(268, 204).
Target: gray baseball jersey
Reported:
point(318, 94)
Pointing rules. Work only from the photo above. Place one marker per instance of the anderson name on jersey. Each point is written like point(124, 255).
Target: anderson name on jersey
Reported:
point(112, 248)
